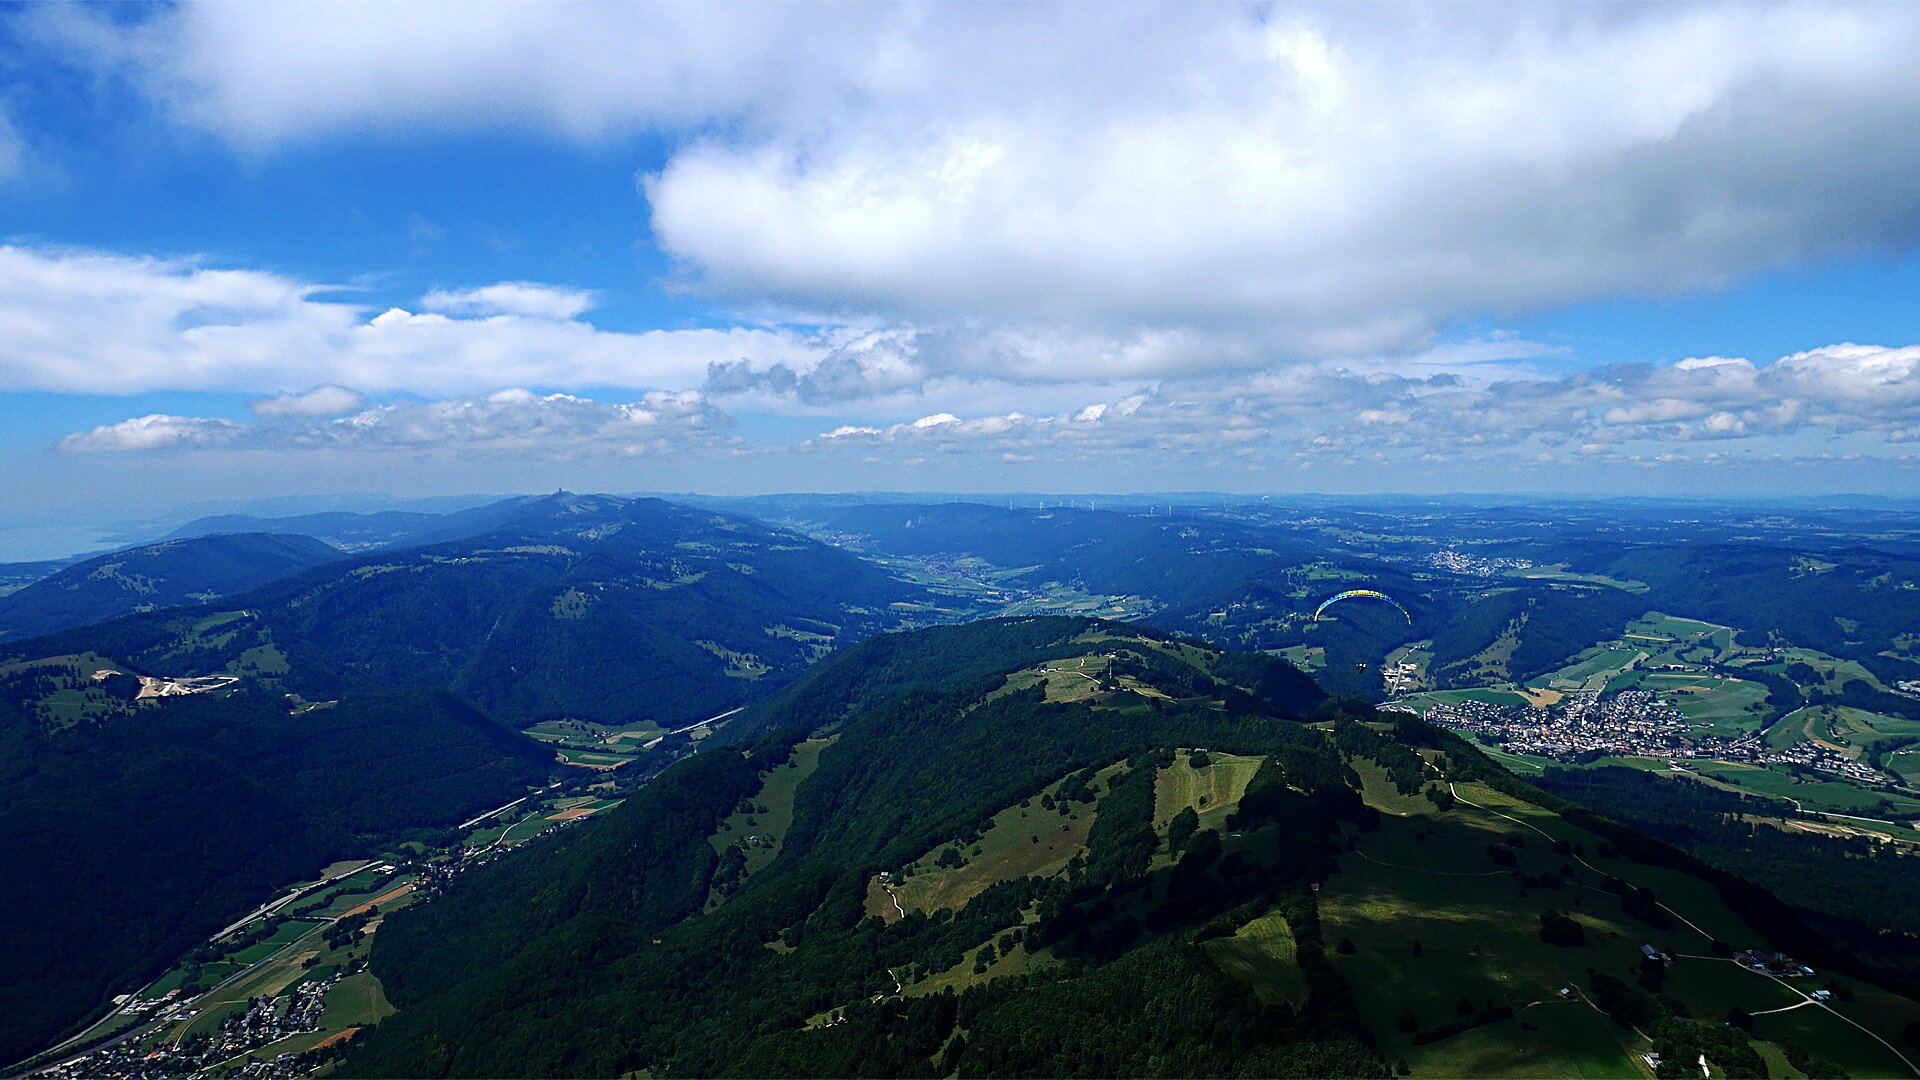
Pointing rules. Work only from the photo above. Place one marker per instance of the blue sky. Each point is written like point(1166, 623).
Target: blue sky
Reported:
point(267, 249)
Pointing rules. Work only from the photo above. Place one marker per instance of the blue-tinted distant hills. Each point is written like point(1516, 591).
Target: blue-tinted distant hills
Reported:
point(163, 575)
point(579, 606)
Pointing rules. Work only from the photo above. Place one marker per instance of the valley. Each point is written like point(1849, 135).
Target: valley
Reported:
point(1010, 767)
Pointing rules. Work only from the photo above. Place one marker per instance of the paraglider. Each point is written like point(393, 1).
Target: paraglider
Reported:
point(1351, 594)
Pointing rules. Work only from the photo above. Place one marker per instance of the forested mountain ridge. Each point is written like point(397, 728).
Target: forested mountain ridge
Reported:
point(166, 824)
point(168, 574)
point(1069, 847)
point(586, 607)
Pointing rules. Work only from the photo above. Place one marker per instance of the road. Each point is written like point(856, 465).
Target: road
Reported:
point(264, 909)
point(1576, 858)
point(147, 1027)
point(472, 821)
point(274, 905)
point(1809, 1001)
point(704, 723)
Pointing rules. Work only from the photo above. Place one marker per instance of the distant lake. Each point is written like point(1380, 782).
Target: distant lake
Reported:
point(30, 543)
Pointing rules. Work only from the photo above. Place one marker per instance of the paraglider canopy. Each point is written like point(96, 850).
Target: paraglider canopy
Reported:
point(1353, 593)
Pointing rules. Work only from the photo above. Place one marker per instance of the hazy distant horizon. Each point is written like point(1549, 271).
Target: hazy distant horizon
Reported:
point(54, 539)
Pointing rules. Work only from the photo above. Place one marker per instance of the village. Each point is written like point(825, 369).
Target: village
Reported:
point(1459, 562)
point(267, 1020)
point(1634, 723)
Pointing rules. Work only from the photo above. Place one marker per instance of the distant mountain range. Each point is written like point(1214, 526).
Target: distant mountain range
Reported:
point(585, 607)
point(163, 575)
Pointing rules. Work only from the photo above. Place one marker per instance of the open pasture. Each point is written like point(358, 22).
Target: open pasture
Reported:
point(1833, 796)
point(1212, 792)
point(1418, 878)
point(1024, 840)
point(761, 828)
point(1263, 955)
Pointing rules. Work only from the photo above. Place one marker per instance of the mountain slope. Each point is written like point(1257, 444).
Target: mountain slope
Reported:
point(586, 607)
point(168, 574)
point(166, 824)
point(997, 850)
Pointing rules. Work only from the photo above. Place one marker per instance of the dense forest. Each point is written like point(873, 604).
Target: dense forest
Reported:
point(605, 955)
point(583, 607)
point(168, 574)
point(166, 824)
point(641, 985)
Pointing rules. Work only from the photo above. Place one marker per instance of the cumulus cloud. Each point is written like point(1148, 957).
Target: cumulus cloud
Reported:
point(508, 420)
point(1306, 178)
point(319, 401)
point(865, 366)
point(1336, 413)
point(1294, 181)
point(1195, 229)
point(106, 323)
point(155, 432)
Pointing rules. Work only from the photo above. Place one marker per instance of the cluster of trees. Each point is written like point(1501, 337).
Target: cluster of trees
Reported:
point(1403, 764)
point(1682, 1040)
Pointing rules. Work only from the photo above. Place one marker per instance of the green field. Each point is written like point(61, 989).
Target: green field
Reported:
point(1212, 792)
point(1444, 893)
point(1262, 954)
point(1593, 670)
point(760, 829)
point(1726, 705)
point(1427, 877)
point(351, 893)
point(283, 934)
point(1427, 699)
point(1308, 658)
point(1561, 573)
point(1024, 840)
point(603, 738)
point(1869, 730)
point(266, 979)
point(1835, 796)
point(354, 1002)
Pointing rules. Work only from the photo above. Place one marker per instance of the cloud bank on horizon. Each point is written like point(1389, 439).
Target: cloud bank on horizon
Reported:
point(1258, 237)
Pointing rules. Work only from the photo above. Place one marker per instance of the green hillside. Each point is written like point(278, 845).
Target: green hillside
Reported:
point(165, 825)
point(584, 607)
point(978, 865)
point(168, 574)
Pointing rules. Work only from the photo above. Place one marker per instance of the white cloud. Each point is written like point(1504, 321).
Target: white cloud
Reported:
point(1335, 193)
point(1191, 186)
point(515, 420)
point(155, 432)
point(102, 323)
point(526, 298)
point(319, 401)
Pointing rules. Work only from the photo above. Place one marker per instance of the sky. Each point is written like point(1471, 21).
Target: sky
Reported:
point(292, 249)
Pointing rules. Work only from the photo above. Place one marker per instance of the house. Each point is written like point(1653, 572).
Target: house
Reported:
point(1823, 995)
